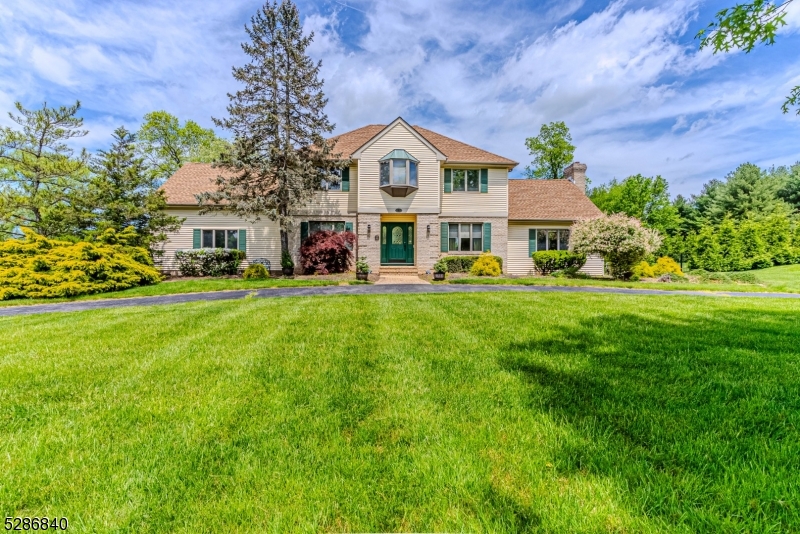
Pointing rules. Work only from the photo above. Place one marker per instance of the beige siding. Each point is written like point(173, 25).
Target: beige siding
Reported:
point(493, 203)
point(521, 264)
point(263, 237)
point(372, 200)
point(334, 202)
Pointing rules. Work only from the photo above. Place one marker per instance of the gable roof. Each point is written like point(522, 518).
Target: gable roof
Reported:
point(399, 120)
point(349, 144)
point(552, 200)
point(188, 181)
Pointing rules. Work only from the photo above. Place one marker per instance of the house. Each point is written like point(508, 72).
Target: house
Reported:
point(412, 196)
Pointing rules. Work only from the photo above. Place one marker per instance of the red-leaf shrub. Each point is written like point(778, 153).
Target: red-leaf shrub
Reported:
point(327, 252)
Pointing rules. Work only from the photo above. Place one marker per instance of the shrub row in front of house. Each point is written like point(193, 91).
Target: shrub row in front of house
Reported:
point(209, 261)
point(463, 264)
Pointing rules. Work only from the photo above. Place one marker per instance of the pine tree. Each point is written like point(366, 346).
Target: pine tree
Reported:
point(124, 192)
point(279, 155)
point(40, 175)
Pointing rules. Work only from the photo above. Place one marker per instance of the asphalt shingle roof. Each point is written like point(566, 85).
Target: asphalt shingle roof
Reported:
point(552, 200)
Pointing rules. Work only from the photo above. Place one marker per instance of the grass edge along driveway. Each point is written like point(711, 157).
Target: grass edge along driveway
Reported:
point(493, 412)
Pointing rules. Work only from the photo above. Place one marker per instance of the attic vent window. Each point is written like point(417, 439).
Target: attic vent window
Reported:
point(398, 173)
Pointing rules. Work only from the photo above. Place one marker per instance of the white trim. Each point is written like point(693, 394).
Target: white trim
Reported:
point(412, 131)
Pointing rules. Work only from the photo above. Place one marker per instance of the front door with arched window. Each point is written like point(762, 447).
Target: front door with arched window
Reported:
point(397, 243)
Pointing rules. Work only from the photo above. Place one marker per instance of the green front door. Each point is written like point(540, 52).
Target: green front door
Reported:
point(397, 243)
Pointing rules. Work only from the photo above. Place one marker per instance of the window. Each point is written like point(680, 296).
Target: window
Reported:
point(399, 172)
point(334, 183)
point(220, 239)
point(466, 180)
point(331, 226)
point(465, 237)
point(552, 239)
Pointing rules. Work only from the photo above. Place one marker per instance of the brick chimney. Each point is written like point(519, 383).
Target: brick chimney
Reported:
point(576, 173)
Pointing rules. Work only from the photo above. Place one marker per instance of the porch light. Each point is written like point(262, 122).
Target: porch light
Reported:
point(398, 173)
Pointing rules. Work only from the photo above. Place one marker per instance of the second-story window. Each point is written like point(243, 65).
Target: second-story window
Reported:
point(466, 180)
point(399, 172)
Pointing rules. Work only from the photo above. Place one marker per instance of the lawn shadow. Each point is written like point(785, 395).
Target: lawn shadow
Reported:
point(698, 419)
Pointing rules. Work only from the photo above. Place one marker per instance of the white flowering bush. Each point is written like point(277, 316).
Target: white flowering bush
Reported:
point(621, 240)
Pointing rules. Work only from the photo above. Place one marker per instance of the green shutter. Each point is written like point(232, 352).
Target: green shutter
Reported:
point(487, 237)
point(348, 227)
point(346, 179)
point(448, 181)
point(444, 247)
point(484, 180)
point(531, 241)
point(243, 240)
point(303, 231)
point(196, 238)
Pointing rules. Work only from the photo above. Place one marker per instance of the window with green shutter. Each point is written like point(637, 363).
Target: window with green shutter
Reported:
point(487, 237)
point(531, 241)
point(196, 238)
point(243, 240)
point(303, 231)
point(443, 237)
point(484, 180)
point(346, 179)
point(448, 181)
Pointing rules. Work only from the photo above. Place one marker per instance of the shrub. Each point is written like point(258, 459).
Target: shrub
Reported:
point(665, 265)
point(286, 260)
point(463, 264)
point(362, 266)
point(486, 265)
point(642, 270)
point(744, 278)
point(38, 267)
point(327, 252)
point(440, 266)
point(548, 261)
point(255, 271)
point(621, 240)
point(209, 261)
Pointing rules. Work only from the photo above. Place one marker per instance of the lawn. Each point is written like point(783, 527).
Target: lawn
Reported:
point(183, 286)
point(784, 279)
point(480, 413)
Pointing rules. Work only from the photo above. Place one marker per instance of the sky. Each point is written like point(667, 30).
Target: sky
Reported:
point(626, 77)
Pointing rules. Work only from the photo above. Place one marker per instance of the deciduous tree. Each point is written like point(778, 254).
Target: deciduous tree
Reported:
point(552, 151)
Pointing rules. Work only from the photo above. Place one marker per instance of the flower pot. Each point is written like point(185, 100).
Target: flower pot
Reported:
point(288, 271)
point(438, 276)
point(362, 276)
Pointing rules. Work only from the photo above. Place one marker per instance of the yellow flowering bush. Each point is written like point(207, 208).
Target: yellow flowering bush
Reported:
point(643, 270)
point(38, 267)
point(665, 265)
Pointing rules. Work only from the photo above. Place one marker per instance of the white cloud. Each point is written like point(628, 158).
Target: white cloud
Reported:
point(629, 81)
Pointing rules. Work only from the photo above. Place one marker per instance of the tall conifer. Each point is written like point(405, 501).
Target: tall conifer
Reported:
point(279, 155)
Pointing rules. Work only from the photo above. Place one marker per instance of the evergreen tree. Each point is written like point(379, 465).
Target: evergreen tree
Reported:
point(279, 155)
point(123, 192)
point(728, 238)
point(789, 190)
point(40, 176)
point(749, 192)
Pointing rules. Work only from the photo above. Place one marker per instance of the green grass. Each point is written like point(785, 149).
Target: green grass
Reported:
point(183, 286)
point(785, 277)
point(666, 286)
point(478, 413)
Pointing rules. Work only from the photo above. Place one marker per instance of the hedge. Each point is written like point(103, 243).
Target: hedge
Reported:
point(548, 261)
point(209, 261)
point(463, 264)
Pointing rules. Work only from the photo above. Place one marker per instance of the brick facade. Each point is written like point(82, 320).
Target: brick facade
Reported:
point(499, 236)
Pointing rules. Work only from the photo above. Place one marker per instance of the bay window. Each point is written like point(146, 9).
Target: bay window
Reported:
point(398, 173)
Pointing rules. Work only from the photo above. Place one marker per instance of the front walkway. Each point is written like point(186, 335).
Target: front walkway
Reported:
point(388, 289)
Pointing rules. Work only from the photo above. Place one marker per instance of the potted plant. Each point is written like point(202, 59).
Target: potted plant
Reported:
point(287, 264)
point(439, 270)
point(362, 268)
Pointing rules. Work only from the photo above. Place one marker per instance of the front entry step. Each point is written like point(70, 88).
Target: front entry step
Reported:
point(398, 269)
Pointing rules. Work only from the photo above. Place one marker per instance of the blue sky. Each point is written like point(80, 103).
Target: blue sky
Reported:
point(626, 77)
